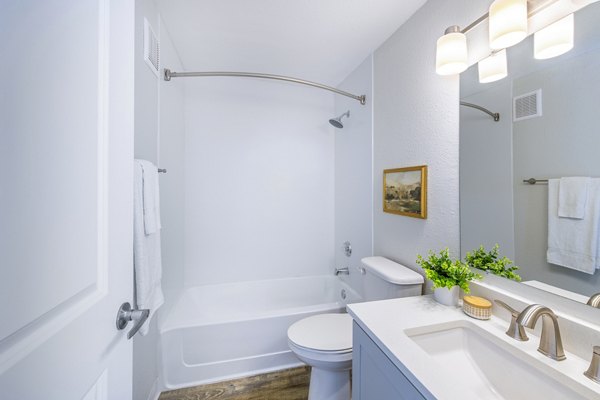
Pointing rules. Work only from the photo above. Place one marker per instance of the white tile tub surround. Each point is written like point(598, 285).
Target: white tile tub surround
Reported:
point(224, 331)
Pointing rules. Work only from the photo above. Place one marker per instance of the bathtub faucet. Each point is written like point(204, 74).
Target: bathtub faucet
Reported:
point(344, 271)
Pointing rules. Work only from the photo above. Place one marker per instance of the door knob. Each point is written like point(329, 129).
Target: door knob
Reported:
point(126, 314)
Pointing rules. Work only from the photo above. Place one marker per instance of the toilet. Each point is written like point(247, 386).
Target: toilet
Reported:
point(324, 341)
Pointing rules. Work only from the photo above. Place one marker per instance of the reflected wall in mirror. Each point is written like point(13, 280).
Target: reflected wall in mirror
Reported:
point(495, 157)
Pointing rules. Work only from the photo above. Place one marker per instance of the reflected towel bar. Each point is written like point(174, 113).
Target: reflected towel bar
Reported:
point(533, 181)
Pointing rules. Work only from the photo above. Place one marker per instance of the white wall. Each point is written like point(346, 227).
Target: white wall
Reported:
point(159, 137)
point(171, 153)
point(354, 172)
point(486, 190)
point(146, 87)
point(259, 181)
point(416, 122)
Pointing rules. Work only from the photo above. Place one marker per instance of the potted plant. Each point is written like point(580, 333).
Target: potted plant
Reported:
point(447, 275)
point(491, 262)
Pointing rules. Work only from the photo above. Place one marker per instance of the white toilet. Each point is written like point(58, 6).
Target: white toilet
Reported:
point(324, 341)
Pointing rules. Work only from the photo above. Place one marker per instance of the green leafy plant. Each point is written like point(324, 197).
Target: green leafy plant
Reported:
point(491, 262)
point(446, 272)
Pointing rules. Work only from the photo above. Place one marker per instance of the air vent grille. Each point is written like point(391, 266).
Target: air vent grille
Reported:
point(527, 105)
point(151, 48)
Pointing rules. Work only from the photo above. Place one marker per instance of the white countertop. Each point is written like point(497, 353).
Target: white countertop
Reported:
point(386, 322)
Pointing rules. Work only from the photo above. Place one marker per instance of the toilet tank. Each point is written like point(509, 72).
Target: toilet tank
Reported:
point(386, 279)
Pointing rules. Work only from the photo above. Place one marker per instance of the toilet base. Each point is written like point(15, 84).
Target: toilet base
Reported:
point(329, 385)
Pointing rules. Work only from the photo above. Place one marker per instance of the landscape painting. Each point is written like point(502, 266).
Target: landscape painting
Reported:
point(405, 191)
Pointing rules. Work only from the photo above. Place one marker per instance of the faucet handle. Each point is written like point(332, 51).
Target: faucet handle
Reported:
point(515, 331)
point(593, 372)
point(594, 300)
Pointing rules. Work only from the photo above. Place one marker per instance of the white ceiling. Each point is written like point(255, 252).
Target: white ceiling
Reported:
point(320, 40)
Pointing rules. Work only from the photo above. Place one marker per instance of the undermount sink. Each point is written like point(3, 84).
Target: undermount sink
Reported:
point(492, 368)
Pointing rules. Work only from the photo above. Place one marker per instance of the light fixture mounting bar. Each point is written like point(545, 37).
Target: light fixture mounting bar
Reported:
point(485, 16)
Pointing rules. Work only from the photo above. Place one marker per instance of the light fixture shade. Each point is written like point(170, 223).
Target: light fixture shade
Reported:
point(508, 23)
point(493, 68)
point(451, 54)
point(555, 39)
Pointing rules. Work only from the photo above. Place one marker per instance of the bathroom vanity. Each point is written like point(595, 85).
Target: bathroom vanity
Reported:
point(376, 376)
point(415, 348)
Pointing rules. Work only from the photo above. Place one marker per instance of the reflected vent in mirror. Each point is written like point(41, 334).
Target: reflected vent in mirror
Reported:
point(527, 106)
point(151, 48)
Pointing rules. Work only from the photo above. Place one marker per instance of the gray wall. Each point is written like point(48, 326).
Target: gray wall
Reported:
point(563, 142)
point(486, 189)
point(416, 122)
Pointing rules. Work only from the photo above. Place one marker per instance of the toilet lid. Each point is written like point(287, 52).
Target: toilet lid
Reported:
point(323, 332)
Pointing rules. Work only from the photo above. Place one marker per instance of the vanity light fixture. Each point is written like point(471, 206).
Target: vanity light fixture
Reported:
point(507, 23)
point(451, 53)
point(555, 39)
point(493, 68)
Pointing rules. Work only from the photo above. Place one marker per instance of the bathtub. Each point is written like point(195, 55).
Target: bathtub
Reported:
point(220, 332)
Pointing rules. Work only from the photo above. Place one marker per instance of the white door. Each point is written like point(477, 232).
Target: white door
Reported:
point(66, 151)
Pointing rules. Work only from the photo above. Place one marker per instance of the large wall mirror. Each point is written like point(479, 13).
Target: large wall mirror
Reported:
point(496, 206)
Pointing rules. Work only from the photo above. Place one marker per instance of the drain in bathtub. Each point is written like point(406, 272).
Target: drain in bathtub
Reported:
point(343, 294)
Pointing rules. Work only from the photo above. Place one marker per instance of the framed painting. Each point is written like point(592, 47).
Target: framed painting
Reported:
point(405, 191)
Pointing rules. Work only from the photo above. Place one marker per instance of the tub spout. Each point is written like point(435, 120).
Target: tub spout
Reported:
point(344, 271)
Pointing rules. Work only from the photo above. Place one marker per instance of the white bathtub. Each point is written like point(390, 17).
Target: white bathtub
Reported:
point(219, 332)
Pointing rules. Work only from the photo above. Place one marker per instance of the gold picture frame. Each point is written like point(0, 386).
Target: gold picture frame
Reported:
point(405, 191)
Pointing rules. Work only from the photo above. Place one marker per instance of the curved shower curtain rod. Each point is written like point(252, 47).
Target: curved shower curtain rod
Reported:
point(496, 116)
point(170, 74)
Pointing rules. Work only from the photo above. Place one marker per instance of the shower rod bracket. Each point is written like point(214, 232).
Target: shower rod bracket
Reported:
point(168, 74)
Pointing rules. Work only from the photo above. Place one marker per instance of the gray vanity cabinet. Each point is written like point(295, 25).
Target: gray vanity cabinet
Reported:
point(374, 376)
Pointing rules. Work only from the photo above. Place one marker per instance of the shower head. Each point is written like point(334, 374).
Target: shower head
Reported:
point(337, 122)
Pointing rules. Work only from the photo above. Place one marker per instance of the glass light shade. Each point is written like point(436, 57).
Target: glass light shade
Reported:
point(451, 54)
point(493, 68)
point(508, 23)
point(555, 39)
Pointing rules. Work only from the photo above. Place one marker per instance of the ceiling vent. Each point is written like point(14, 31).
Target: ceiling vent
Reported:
point(527, 106)
point(151, 48)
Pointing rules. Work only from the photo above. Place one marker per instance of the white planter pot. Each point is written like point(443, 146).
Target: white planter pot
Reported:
point(447, 297)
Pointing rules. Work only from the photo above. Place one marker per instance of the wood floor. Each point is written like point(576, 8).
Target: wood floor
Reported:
point(289, 384)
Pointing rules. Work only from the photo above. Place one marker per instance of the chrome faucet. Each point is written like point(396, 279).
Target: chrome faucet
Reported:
point(515, 330)
point(550, 341)
point(594, 301)
point(344, 271)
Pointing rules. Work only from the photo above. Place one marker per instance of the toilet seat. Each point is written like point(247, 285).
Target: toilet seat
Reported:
point(323, 333)
point(324, 342)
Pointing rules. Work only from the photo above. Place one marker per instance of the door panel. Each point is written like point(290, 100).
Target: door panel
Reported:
point(66, 150)
point(50, 197)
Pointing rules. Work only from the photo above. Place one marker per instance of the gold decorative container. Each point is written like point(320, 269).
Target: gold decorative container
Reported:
point(477, 307)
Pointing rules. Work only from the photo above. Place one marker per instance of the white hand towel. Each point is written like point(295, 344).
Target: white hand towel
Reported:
point(151, 201)
point(572, 196)
point(146, 252)
point(574, 243)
